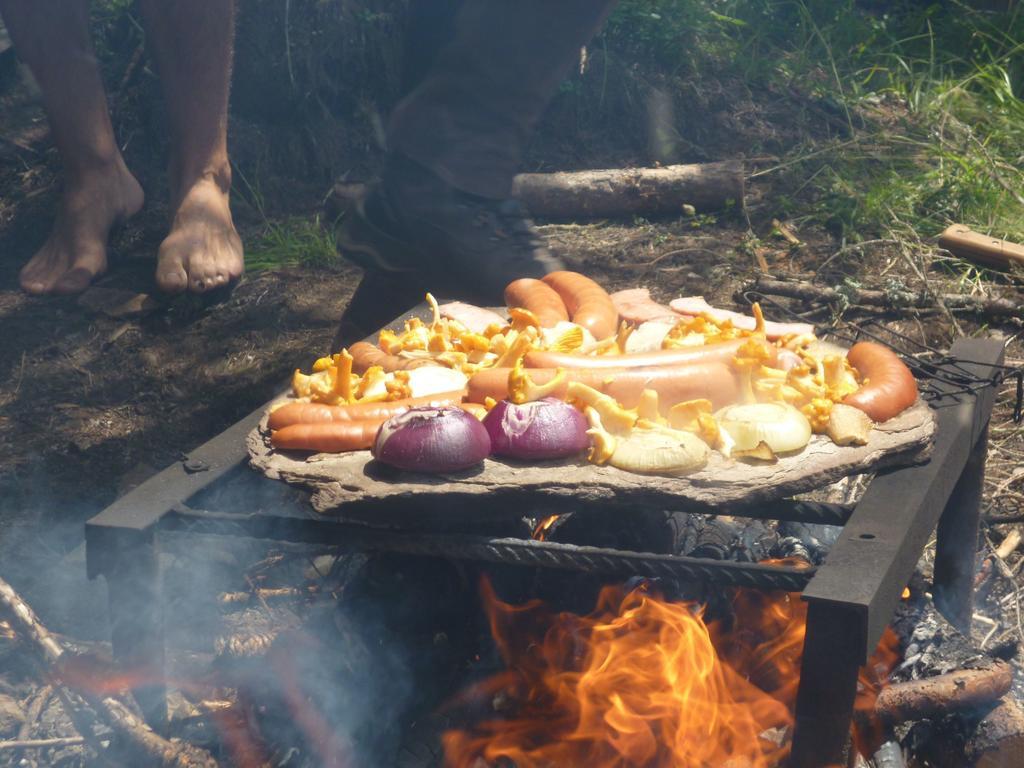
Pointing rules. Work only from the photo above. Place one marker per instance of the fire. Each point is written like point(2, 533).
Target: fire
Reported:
point(639, 681)
point(644, 681)
point(540, 533)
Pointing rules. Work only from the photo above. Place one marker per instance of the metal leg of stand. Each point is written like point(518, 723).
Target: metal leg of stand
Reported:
point(833, 654)
point(956, 548)
point(136, 618)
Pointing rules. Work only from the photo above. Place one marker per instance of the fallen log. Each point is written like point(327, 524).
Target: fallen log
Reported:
point(130, 729)
point(609, 192)
point(894, 300)
point(631, 191)
point(960, 691)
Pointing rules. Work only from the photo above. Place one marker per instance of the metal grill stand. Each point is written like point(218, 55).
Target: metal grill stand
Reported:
point(852, 596)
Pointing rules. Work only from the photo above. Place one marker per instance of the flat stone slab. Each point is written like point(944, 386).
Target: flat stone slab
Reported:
point(354, 485)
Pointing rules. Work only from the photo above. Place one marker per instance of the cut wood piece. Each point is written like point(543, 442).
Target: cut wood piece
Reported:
point(981, 249)
point(631, 191)
point(998, 740)
point(355, 486)
point(959, 691)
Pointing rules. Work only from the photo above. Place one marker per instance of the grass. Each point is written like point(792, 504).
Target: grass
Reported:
point(283, 241)
point(927, 92)
point(291, 241)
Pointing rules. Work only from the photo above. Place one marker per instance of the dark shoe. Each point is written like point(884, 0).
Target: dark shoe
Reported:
point(446, 241)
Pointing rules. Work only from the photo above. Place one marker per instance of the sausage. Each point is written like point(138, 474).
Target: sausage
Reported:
point(538, 297)
point(588, 303)
point(366, 355)
point(720, 352)
point(330, 437)
point(889, 387)
point(318, 413)
point(713, 381)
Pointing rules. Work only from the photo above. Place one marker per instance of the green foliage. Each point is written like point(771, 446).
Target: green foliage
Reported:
point(292, 241)
point(928, 93)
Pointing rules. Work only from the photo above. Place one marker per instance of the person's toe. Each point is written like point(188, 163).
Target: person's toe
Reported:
point(75, 280)
point(171, 275)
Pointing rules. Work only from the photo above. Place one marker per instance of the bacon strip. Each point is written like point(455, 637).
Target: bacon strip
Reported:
point(636, 306)
point(476, 319)
point(695, 305)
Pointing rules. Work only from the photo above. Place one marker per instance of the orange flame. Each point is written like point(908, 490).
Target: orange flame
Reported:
point(643, 681)
point(636, 682)
point(540, 533)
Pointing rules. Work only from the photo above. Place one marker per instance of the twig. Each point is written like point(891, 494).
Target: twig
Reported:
point(65, 741)
point(114, 713)
point(1009, 544)
point(897, 300)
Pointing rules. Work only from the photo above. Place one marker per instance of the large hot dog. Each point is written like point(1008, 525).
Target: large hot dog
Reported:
point(538, 297)
point(888, 386)
point(318, 413)
point(331, 437)
point(588, 303)
point(712, 381)
point(719, 352)
point(366, 355)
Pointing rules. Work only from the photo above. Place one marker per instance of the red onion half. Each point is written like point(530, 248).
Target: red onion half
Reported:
point(432, 440)
point(544, 429)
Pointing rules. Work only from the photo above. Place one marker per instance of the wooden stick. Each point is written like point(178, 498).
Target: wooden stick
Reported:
point(944, 694)
point(67, 741)
point(895, 300)
point(131, 728)
point(1008, 545)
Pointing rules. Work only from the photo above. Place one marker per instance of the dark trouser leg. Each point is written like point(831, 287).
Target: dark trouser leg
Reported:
point(956, 547)
point(833, 654)
point(471, 116)
point(136, 618)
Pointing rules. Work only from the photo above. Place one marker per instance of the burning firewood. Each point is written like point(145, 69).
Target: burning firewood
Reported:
point(244, 645)
point(998, 740)
point(266, 595)
point(131, 730)
point(963, 690)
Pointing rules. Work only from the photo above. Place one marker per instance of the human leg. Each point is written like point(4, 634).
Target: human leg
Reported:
point(52, 38)
point(191, 42)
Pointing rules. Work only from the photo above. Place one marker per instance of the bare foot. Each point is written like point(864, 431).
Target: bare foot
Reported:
point(76, 250)
point(203, 250)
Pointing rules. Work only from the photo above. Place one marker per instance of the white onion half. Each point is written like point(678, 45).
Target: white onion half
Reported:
point(780, 426)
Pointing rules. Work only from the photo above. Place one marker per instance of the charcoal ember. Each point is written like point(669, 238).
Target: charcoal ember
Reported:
point(805, 541)
point(722, 537)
